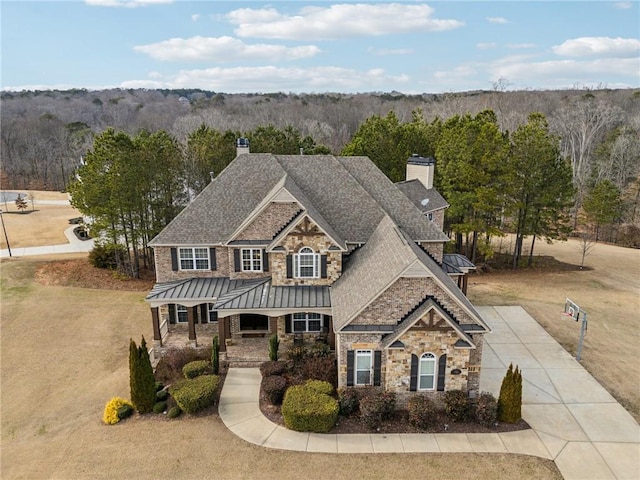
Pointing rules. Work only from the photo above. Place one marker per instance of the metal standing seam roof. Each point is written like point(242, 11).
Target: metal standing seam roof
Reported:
point(265, 296)
point(458, 261)
point(191, 288)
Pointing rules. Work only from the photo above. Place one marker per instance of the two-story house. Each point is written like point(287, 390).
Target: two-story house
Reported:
point(320, 246)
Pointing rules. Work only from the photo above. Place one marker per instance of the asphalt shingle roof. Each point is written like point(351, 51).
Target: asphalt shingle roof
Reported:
point(415, 191)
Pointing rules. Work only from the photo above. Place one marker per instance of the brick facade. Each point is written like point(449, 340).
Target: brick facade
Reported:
point(436, 249)
point(164, 272)
point(269, 222)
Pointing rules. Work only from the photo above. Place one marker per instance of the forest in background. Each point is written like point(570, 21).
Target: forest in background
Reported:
point(46, 134)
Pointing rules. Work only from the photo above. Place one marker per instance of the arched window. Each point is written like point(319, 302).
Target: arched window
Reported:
point(427, 372)
point(306, 263)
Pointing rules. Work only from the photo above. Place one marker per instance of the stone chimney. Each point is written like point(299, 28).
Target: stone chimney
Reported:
point(242, 146)
point(422, 169)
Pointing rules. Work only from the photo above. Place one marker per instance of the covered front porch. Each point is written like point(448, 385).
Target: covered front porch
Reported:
point(243, 314)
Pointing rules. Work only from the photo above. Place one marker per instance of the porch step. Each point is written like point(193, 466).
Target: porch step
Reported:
point(246, 362)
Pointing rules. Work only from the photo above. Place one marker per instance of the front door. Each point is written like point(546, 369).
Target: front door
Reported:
point(251, 321)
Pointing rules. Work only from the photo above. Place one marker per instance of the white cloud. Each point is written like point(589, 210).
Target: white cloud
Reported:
point(486, 45)
point(390, 51)
point(195, 17)
point(126, 3)
point(270, 78)
point(623, 5)
point(600, 46)
point(338, 21)
point(222, 49)
point(458, 73)
point(499, 20)
point(520, 46)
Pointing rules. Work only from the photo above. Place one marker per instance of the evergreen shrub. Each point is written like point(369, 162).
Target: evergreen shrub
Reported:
point(510, 399)
point(306, 410)
point(195, 369)
point(162, 395)
point(456, 405)
point(320, 386)
point(159, 407)
point(486, 410)
point(174, 412)
point(193, 395)
point(111, 414)
point(274, 343)
point(141, 380)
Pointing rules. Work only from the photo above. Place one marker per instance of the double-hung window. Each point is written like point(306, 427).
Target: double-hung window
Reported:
point(194, 258)
point(181, 314)
point(251, 259)
point(306, 263)
point(213, 314)
point(307, 322)
point(364, 367)
point(427, 372)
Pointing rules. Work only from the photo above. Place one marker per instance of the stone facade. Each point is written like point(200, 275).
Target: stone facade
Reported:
point(269, 222)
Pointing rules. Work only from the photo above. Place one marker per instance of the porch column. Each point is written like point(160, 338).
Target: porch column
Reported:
point(155, 317)
point(191, 318)
point(464, 284)
point(222, 333)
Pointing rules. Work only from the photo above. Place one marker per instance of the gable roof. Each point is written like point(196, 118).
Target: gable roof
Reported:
point(388, 255)
point(346, 196)
point(415, 191)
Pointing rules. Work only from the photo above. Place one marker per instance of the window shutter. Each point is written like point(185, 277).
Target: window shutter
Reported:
point(174, 259)
point(323, 266)
point(287, 323)
point(442, 370)
point(204, 313)
point(172, 313)
point(413, 385)
point(350, 361)
point(236, 260)
point(289, 266)
point(377, 361)
point(265, 261)
point(212, 259)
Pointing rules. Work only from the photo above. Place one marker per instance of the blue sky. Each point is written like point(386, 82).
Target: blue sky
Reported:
point(322, 46)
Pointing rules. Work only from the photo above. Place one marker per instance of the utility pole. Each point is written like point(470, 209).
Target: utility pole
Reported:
point(5, 232)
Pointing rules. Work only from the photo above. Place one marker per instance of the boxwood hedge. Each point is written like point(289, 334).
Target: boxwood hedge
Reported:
point(193, 395)
point(306, 410)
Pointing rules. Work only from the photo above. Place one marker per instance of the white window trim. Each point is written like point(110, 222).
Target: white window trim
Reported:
point(362, 353)
point(306, 252)
point(193, 259)
point(182, 309)
point(255, 259)
point(432, 357)
point(306, 317)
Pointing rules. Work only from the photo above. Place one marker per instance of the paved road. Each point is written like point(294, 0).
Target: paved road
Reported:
point(574, 420)
point(75, 245)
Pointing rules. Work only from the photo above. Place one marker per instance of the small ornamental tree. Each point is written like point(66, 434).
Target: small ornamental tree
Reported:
point(21, 204)
point(510, 400)
point(215, 355)
point(141, 379)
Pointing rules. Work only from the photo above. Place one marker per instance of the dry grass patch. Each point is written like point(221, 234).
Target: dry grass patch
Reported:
point(609, 290)
point(65, 353)
point(43, 226)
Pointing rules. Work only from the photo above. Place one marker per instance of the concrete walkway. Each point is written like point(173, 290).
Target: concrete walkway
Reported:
point(75, 245)
point(575, 422)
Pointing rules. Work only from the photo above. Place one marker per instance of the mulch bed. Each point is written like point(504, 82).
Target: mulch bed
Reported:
point(398, 424)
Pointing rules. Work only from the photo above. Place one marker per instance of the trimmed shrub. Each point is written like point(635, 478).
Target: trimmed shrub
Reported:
point(274, 343)
point(111, 415)
point(510, 399)
point(174, 412)
point(349, 400)
point(193, 395)
point(169, 368)
point(159, 386)
point(306, 410)
point(162, 395)
point(486, 409)
point(320, 386)
point(195, 369)
point(270, 368)
point(141, 380)
point(320, 368)
point(159, 407)
point(274, 387)
point(125, 411)
point(107, 255)
point(456, 405)
point(376, 406)
point(215, 355)
point(422, 412)
point(319, 349)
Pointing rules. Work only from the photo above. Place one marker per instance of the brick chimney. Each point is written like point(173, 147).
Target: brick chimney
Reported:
point(422, 169)
point(242, 146)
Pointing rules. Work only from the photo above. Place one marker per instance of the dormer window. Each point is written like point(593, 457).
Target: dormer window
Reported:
point(306, 263)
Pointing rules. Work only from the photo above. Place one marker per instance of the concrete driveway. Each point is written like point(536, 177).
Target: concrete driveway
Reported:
point(587, 432)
